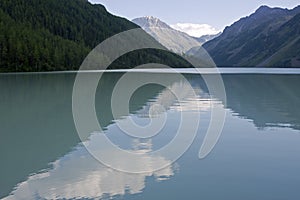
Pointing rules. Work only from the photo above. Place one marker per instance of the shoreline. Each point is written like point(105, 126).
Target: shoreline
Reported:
point(227, 70)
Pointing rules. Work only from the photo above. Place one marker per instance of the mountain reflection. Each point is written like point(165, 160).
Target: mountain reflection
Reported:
point(77, 174)
point(268, 100)
point(168, 101)
point(37, 129)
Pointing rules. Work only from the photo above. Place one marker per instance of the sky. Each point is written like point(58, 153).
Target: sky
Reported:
point(187, 15)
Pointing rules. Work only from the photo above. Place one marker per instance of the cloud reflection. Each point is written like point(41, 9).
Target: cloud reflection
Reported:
point(79, 175)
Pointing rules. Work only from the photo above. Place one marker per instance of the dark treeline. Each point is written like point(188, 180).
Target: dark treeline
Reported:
point(46, 35)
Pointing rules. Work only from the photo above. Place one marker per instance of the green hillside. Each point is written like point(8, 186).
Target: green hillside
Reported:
point(47, 35)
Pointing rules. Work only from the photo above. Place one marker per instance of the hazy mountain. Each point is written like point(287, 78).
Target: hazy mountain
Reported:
point(206, 38)
point(198, 52)
point(268, 37)
point(172, 39)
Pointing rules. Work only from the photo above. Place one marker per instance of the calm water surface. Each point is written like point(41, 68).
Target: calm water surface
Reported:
point(256, 157)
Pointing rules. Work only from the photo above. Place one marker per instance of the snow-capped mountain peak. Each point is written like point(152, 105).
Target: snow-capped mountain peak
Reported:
point(174, 40)
point(150, 21)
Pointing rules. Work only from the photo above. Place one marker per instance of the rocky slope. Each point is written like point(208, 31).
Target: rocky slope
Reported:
point(174, 40)
point(269, 37)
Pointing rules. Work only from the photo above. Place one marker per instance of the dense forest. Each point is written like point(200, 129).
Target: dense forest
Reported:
point(47, 35)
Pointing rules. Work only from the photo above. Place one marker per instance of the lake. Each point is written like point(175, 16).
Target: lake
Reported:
point(256, 156)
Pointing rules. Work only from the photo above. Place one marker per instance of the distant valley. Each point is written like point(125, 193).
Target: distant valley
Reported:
point(174, 40)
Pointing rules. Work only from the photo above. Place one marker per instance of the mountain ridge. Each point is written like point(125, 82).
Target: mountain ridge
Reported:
point(252, 40)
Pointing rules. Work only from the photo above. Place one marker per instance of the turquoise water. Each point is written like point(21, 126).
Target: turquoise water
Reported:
point(256, 157)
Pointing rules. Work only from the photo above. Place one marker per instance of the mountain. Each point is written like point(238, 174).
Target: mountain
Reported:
point(205, 38)
point(198, 52)
point(172, 39)
point(47, 35)
point(269, 37)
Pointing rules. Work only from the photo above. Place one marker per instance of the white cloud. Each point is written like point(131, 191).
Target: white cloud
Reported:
point(196, 30)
